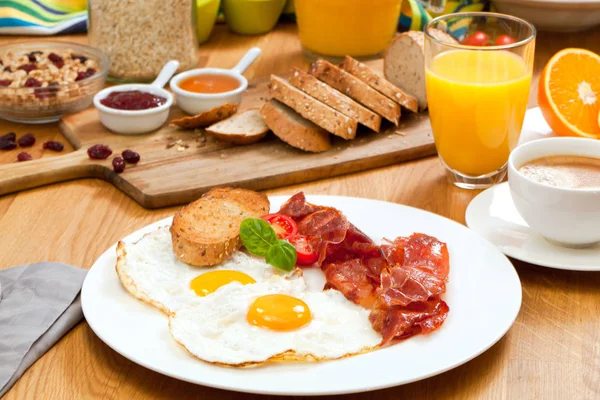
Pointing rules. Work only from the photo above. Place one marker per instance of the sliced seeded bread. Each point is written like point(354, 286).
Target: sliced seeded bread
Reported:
point(244, 128)
point(379, 83)
point(206, 118)
point(356, 89)
point(296, 131)
point(335, 99)
point(312, 109)
point(404, 65)
point(207, 231)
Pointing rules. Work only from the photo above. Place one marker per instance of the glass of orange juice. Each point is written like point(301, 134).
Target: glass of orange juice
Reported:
point(334, 29)
point(477, 90)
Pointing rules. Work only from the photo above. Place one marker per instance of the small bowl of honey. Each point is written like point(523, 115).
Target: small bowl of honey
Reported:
point(203, 89)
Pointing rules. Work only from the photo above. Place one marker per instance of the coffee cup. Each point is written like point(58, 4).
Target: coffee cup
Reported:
point(565, 215)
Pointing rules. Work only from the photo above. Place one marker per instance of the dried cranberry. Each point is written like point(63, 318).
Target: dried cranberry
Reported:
point(52, 145)
point(32, 82)
point(23, 156)
point(1, 63)
point(28, 67)
point(99, 152)
point(131, 156)
point(5, 82)
point(56, 60)
point(31, 56)
point(10, 136)
point(48, 91)
point(85, 74)
point(81, 59)
point(118, 164)
point(8, 68)
point(26, 140)
point(7, 144)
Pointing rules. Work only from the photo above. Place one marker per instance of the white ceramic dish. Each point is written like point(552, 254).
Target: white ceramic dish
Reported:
point(554, 15)
point(484, 295)
point(570, 217)
point(196, 103)
point(134, 122)
point(493, 215)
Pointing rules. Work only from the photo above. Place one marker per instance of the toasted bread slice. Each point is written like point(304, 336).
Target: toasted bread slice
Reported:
point(379, 83)
point(207, 231)
point(312, 109)
point(357, 89)
point(404, 65)
point(207, 117)
point(296, 131)
point(335, 99)
point(243, 128)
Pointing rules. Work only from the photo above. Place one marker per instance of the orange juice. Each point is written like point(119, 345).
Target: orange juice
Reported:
point(477, 102)
point(347, 27)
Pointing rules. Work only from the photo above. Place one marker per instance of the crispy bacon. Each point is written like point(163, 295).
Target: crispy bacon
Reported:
point(404, 322)
point(351, 279)
point(297, 207)
point(419, 267)
point(400, 281)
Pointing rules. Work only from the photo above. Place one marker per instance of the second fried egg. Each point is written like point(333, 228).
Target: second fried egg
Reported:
point(150, 271)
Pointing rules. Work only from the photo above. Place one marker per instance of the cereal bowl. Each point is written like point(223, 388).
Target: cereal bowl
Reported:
point(42, 80)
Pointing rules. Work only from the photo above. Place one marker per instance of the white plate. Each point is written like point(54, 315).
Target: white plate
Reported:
point(493, 215)
point(554, 15)
point(484, 295)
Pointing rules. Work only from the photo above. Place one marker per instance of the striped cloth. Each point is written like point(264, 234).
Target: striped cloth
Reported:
point(51, 17)
point(414, 17)
point(42, 17)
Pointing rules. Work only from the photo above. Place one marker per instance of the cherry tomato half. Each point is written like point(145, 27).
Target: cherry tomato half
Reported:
point(503, 40)
point(305, 253)
point(477, 39)
point(283, 225)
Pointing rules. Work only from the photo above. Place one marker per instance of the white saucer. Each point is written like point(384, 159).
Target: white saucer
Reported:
point(493, 215)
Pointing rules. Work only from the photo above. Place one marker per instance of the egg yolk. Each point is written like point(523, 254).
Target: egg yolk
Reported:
point(210, 281)
point(279, 312)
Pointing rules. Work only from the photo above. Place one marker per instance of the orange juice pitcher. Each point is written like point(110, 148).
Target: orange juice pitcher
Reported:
point(336, 28)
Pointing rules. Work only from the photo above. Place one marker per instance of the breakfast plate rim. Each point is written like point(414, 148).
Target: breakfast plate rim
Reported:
point(470, 216)
point(303, 389)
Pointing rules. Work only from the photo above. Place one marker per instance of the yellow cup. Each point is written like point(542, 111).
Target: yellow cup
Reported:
point(337, 28)
point(252, 17)
point(206, 16)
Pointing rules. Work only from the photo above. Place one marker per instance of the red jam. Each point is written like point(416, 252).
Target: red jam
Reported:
point(132, 100)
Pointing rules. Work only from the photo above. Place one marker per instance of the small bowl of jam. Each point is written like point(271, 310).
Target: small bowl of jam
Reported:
point(202, 89)
point(136, 108)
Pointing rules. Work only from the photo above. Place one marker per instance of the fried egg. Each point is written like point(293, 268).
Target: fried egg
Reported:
point(151, 272)
point(275, 320)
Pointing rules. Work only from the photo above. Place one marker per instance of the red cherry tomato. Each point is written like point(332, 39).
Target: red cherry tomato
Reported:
point(503, 40)
point(283, 225)
point(305, 253)
point(476, 39)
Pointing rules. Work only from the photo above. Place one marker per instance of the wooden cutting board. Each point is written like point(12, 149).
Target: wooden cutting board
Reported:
point(177, 166)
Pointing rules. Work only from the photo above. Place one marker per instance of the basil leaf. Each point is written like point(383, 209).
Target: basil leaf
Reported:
point(282, 255)
point(257, 235)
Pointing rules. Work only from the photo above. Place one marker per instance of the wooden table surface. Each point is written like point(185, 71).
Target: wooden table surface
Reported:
point(551, 352)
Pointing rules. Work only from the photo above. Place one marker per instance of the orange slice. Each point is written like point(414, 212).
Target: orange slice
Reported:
point(569, 93)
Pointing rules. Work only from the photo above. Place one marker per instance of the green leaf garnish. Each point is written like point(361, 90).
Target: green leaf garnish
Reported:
point(257, 235)
point(260, 239)
point(282, 255)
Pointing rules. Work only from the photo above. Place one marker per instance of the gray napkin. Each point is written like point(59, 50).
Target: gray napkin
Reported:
point(39, 303)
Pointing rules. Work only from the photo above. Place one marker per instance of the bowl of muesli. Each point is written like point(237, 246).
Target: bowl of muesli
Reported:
point(41, 81)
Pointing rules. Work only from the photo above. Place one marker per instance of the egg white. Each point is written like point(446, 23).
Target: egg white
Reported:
point(215, 328)
point(150, 271)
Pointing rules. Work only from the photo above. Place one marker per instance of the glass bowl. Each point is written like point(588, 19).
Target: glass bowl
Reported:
point(37, 105)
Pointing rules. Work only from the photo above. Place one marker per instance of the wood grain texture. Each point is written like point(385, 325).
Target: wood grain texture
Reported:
point(551, 352)
point(169, 175)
